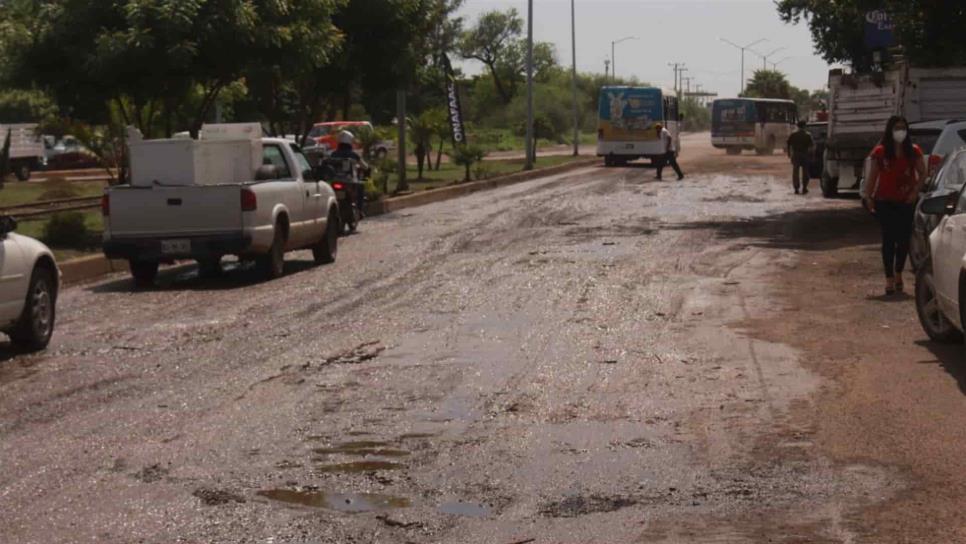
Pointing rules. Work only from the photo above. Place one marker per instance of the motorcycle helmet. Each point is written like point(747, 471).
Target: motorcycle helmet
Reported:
point(346, 137)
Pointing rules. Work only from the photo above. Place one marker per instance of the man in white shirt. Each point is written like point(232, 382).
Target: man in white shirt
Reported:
point(669, 150)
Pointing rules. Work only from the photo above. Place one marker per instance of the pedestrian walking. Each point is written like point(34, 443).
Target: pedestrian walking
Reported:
point(799, 148)
point(895, 177)
point(669, 150)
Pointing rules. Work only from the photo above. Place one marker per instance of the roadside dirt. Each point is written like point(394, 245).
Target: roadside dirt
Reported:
point(590, 357)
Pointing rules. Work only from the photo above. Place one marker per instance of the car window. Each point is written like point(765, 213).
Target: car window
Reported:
point(925, 138)
point(272, 154)
point(303, 163)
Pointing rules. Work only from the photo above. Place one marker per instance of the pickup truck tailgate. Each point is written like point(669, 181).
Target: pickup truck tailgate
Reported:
point(165, 211)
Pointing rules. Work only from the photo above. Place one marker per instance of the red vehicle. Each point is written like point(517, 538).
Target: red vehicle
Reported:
point(326, 134)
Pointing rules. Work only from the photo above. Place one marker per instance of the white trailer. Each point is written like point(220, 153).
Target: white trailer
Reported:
point(26, 149)
point(860, 105)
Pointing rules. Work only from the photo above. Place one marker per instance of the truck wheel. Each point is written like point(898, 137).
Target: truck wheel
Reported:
point(143, 272)
point(325, 251)
point(931, 316)
point(830, 186)
point(733, 150)
point(272, 265)
point(22, 171)
point(36, 324)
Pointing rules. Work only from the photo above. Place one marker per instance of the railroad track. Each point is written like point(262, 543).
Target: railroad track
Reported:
point(49, 207)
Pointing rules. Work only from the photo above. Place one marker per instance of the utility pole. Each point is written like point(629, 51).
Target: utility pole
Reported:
point(529, 142)
point(742, 48)
point(573, 42)
point(774, 65)
point(403, 184)
point(679, 69)
point(613, 61)
point(606, 69)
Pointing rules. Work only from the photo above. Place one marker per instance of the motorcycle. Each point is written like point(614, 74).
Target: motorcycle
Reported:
point(347, 179)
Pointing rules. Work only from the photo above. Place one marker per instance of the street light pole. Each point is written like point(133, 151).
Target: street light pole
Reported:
point(529, 142)
point(742, 48)
point(573, 42)
point(764, 58)
point(774, 65)
point(613, 61)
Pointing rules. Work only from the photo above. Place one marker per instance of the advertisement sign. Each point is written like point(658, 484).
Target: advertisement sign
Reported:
point(629, 113)
point(455, 108)
point(879, 30)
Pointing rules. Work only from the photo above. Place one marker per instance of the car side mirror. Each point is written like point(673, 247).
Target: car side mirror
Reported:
point(266, 172)
point(7, 225)
point(940, 205)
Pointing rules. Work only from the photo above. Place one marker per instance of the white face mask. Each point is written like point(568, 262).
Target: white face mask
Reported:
point(899, 136)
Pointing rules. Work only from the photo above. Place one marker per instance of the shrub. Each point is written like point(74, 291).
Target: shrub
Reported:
point(67, 229)
point(466, 156)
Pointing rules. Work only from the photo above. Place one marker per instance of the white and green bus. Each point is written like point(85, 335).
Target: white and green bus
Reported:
point(758, 124)
point(626, 119)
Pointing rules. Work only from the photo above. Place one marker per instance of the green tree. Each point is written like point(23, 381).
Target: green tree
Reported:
point(466, 156)
point(930, 32)
point(697, 116)
point(768, 84)
point(20, 106)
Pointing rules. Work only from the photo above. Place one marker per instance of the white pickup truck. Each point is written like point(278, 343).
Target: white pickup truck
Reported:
point(183, 203)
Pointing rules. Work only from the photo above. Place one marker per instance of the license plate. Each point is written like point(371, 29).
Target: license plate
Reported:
point(175, 247)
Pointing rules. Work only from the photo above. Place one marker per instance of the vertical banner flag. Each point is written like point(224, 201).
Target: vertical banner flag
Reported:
point(455, 109)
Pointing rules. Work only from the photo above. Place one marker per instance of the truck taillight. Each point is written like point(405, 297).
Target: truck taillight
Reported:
point(249, 202)
point(338, 186)
point(106, 205)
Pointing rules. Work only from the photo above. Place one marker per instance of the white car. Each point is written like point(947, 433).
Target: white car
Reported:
point(29, 282)
point(937, 139)
point(941, 284)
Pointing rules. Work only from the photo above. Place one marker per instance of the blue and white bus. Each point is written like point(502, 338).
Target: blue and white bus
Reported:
point(758, 124)
point(626, 119)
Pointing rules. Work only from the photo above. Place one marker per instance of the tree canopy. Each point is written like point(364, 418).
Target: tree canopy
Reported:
point(929, 31)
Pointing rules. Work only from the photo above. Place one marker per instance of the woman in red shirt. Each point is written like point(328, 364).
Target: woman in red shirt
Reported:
point(896, 175)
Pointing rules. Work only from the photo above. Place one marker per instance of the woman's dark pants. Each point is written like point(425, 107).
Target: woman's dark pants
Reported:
point(895, 219)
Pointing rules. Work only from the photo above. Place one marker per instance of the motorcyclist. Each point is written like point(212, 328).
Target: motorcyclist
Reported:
point(345, 150)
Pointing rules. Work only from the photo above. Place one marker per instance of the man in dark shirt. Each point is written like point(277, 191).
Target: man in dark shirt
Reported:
point(800, 148)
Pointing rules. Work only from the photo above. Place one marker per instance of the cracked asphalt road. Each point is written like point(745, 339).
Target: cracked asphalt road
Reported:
point(590, 357)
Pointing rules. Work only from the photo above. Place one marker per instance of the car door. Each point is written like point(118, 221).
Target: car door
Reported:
point(13, 279)
point(292, 194)
point(948, 242)
point(314, 205)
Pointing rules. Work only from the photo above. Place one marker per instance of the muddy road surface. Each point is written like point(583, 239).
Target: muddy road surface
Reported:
point(592, 357)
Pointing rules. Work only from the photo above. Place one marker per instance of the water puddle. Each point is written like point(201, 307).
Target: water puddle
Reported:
point(466, 509)
point(341, 502)
point(362, 452)
point(361, 466)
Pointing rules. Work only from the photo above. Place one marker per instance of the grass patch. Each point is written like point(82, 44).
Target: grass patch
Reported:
point(18, 193)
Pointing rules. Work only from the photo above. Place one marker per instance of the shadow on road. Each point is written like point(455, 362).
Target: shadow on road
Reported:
point(808, 230)
point(186, 278)
point(950, 358)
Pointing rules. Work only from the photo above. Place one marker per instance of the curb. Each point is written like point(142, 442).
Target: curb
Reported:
point(450, 192)
point(88, 268)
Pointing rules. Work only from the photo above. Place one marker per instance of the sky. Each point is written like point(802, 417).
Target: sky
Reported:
point(685, 31)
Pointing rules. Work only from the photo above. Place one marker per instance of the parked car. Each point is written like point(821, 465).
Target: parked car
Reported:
point(223, 194)
point(28, 294)
point(939, 142)
point(324, 136)
point(70, 154)
point(940, 285)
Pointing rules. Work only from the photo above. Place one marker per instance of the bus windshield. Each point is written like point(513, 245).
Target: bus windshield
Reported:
point(629, 113)
point(733, 117)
